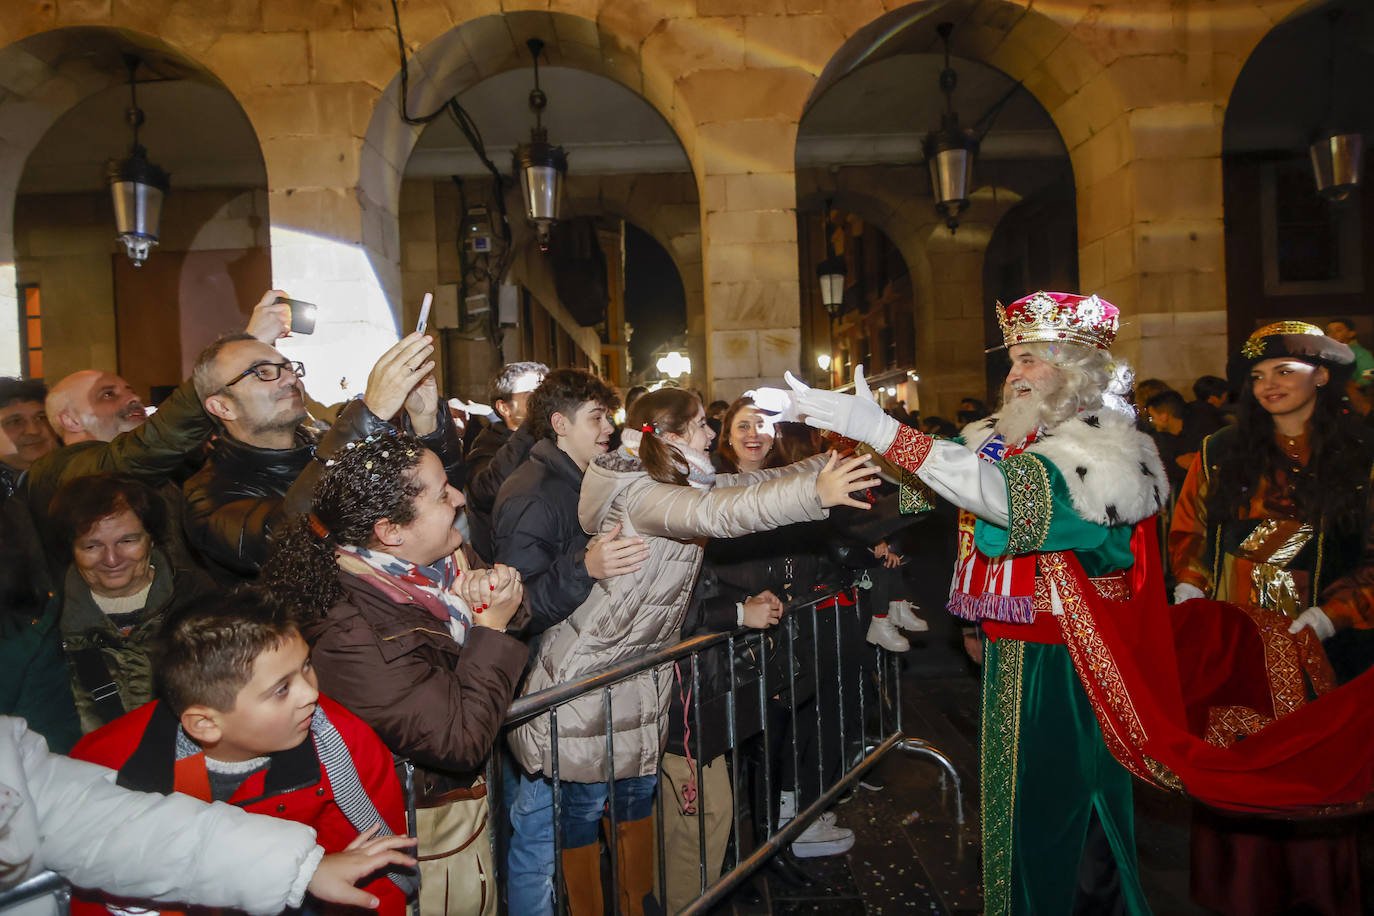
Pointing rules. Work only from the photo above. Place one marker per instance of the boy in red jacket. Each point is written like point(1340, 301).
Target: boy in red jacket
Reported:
point(242, 721)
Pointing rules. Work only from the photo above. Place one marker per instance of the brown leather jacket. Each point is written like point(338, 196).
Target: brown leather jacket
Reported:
point(397, 668)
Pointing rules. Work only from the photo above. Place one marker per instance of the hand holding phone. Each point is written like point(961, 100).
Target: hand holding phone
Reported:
point(424, 313)
point(302, 315)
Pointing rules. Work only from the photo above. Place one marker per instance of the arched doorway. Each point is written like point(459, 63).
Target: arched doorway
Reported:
point(626, 164)
point(1289, 252)
point(862, 136)
point(84, 303)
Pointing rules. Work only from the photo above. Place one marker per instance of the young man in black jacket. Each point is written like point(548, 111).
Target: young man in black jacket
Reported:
point(534, 521)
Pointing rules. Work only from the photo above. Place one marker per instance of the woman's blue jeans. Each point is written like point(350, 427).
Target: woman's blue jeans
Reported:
point(529, 863)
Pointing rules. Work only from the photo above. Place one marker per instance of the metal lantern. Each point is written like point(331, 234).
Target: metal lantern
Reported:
point(540, 165)
point(830, 272)
point(137, 187)
point(831, 275)
point(950, 150)
point(1336, 161)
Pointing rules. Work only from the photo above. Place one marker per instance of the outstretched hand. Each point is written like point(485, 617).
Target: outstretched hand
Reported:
point(856, 416)
point(839, 478)
point(337, 873)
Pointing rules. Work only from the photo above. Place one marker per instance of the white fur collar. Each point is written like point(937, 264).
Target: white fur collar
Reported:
point(1112, 469)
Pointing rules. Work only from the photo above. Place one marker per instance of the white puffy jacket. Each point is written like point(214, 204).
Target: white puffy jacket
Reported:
point(68, 816)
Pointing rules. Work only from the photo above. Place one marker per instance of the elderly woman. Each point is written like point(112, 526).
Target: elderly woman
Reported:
point(118, 591)
point(410, 633)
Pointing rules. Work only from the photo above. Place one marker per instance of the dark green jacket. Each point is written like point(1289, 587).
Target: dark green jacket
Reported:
point(151, 452)
point(85, 627)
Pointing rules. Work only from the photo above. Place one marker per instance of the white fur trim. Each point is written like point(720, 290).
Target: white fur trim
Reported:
point(1122, 480)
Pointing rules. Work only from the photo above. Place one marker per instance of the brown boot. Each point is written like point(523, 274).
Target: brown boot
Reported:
point(582, 880)
point(635, 848)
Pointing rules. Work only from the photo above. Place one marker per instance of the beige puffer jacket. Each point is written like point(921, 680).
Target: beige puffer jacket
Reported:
point(627, 616)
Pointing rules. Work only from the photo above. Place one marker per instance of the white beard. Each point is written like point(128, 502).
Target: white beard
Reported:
point(1021, 416)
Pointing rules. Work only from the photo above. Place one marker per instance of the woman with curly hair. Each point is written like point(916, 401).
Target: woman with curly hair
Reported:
point(410, 633)
point(660, 486)
point(1279, 514)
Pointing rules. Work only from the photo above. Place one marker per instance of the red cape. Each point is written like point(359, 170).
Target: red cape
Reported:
point(1211, 699)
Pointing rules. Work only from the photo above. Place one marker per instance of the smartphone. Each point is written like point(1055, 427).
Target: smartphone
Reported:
point(302, 315)
point(424, 313)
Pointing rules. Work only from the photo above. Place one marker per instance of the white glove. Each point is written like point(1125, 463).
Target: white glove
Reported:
point(1183, 592)
point(856, 416)
point(1316, 619)
point(776, 401)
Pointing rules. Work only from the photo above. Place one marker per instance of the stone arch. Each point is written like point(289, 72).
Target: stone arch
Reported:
point(456, 58)
point(44, 75)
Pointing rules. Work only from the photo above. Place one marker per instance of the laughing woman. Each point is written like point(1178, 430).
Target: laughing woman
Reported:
point(1279, 513)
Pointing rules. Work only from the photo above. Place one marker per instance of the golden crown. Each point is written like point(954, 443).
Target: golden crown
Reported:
point(1054, 317)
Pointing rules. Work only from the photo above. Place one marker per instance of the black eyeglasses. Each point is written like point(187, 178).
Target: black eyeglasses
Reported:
point(270, 372)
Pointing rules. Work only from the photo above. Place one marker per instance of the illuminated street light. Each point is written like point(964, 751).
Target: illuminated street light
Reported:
point(136, 185)
point(674, 365)
point(949, 151)
point(824, 362)
point(540, 165)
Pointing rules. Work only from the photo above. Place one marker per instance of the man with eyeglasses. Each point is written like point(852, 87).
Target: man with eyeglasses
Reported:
point(105, 428)
point(259, 473)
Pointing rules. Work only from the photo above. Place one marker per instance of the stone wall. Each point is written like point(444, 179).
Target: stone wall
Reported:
point(1137, 91)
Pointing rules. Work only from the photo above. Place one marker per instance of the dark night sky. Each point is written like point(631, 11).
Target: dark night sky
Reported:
point(654, 301)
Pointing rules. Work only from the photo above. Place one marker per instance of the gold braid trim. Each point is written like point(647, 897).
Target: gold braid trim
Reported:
point(1122, 729)
point(1029, 499)
point(1001, 738)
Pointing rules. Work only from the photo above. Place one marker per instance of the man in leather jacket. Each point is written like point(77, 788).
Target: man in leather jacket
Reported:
point(259, 473)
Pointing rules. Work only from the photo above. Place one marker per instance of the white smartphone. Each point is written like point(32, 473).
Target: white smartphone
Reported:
point(424, 313)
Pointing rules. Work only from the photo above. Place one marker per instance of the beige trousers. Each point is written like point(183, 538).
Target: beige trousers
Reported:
point(456, 876)
point(681, 847)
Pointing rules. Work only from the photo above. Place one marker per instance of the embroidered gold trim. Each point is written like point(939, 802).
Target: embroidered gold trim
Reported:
point(909, 449)
point(1001, 739)
point(1029, 501)
point(1097, 669)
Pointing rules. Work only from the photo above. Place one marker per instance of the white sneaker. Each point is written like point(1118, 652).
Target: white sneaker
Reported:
point(882, 632)
point(903, 614)
point(823, 837)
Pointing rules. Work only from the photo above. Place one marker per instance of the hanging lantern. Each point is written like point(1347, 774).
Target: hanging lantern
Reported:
point(830, 272)
point(1336, 154)
point(831, 275)
point(137, 187)
point(950, 150)
point(1336, 162)
point(540, 165)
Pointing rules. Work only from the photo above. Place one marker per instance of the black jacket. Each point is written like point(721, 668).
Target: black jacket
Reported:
point(535, 529)
point(495, 453)
point(245, 494)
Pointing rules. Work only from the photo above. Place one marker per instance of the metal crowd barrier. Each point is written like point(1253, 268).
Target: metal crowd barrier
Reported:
point(859, 746)
point(43, 884)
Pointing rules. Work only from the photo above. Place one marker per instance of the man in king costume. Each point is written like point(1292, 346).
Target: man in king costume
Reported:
point(1061, 468)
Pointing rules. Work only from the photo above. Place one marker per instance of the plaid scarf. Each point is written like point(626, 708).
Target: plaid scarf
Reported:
point(991, 588)
point(404, 582)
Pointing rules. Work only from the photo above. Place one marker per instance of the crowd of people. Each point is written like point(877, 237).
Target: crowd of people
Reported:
point(230, 601)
